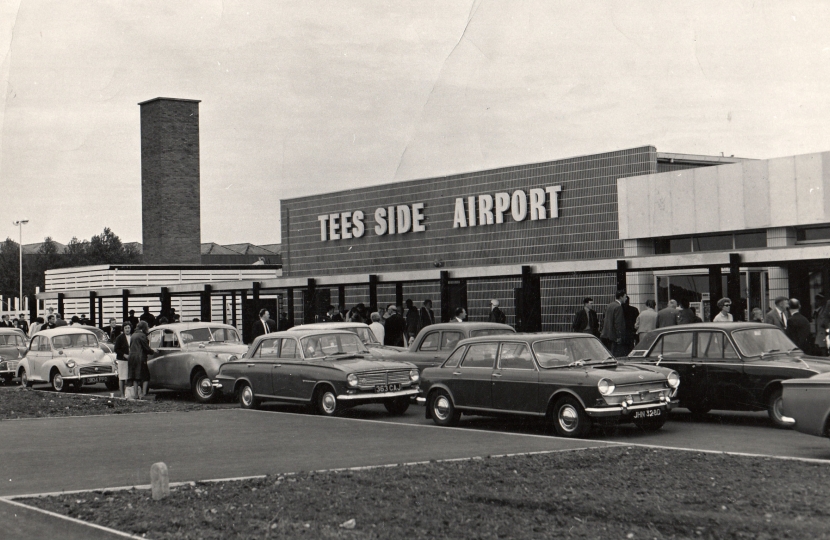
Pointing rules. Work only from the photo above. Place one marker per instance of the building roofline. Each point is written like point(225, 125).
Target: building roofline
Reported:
point(170, 99)
point(699, 159)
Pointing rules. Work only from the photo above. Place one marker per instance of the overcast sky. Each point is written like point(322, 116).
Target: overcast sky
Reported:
point(306, 97)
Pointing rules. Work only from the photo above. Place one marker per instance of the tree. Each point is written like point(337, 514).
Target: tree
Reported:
point(9, 269)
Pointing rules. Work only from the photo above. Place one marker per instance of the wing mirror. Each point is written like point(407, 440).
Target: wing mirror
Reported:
point(659, 359)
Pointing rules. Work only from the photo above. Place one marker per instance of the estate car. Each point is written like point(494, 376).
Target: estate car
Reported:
point(376, 348)
point(434, 343)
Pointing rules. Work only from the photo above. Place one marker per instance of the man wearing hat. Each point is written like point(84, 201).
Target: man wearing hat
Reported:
point(496, 315)
point(778, 315)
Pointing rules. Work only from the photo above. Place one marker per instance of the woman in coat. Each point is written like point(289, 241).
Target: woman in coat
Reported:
point(139, 349)
point(122, 355)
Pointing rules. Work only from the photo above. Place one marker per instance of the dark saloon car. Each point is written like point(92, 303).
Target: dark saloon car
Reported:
point(434, 343)
point(328, 369)
point(570, 379)
point(807, 403)
point(729, 366)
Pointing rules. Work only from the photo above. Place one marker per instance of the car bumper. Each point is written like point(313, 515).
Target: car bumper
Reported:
point(379, 396)
point(623, 411)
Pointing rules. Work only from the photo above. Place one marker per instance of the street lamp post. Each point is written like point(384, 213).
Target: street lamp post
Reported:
point(19, 224)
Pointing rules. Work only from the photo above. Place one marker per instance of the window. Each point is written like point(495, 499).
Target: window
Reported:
point(430, 342)
point(225, 334)
point(751, 240)
point(515, 356)
point(449, 339)
point(720, 242)
point(675, 345)
point(713, 242)
point(268, 348)
point(169, 340)
point(452, 361)
point(289, 349)
point(481, 355)
point(61, 342)
point(714, 346)
point(813, 234)
point(552, 353)
point(155, 340)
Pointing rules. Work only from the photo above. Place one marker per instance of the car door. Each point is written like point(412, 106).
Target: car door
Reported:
point(37, 355)
point(428, 350)
point(289, 376)
point(472, 380)
point(674, 350)
point(155, 362)
point(515, 381)
point(725, 377)
point(261, 367)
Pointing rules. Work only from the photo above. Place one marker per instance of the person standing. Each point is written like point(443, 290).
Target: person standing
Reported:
point(111, 329)
point(798, 327)
point(148, 317)
point(631, 314)
point(725, 315)
point(335, 315)
point(50, 323)
point(427, 315)
point(646, 320)
point(685, 315)
point(133, 320)
point(22, 324)
point(36, 325)
point(586, 320)
point(778, 315)
point(377, 328)
point(283, 323)
point(496, 314)
point(137, 370)
point(668, 315)
point(122, 357)
point(460, 315)
point(613, 325)
point(59, 320)
point(413, 321)
point(5, 322)
point(395, 328)
point(819, 343)
point(263, 325)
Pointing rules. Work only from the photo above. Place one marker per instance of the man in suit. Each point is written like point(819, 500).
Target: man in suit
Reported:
point(778, 315)
point(798, 327)
point(647, 320)
point(395, 327)
point(496, 315)
point(685, 315)
point(263, 325)
point(111, 329)
point(586, 320)
point(5, 322)
point(427, 316)
point(613, 325)
point(668, 315)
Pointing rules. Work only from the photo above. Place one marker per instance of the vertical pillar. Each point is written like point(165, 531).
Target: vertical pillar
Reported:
point(715, 291)
point(621, 275)
point(205, 303)
point(310, 302)
point(166, 302)
point(100, 312)
point(341, 297)
point(33, 301)
point(733, 286)
point(531, 303)
point(289, 294)
point(224, 309)
point(92, 306)
point(233, 309)
point(445, 296)
point(373, 293)
point(125, 304)
point(256, 288)
point(399, 295)
point(60, 304)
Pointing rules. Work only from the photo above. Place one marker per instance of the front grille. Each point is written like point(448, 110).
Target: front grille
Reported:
point(373, 378)
point(93, 370)
point(634, 388)
point(399, 377)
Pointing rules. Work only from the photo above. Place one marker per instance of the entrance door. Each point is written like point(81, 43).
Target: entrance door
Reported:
point(250, 313)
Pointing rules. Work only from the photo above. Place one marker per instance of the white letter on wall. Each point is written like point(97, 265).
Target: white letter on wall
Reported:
point(323, 226)
point(418, 217)
point(485, 209)
point(518, 205)
point(380, 218)
point(357, 224)
point(404, 219)
point(459, 220)
point(502, 206)
point(553, 203)
point(346, 225)
point(334, 226)
point(471, 211)
point(537, 204)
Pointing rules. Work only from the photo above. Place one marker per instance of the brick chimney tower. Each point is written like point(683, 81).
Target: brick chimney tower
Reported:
point(170, 181)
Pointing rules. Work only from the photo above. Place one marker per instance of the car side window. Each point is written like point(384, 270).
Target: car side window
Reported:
point(268, 348)
point(450, 339)
point(154, 340)
point(481, 355)
point(44, 344)
point(714, 346)
point(430, 342)
point(289, 349)
point(674, 345)
point(169, 339)
point(455, 357)
point(515, 356)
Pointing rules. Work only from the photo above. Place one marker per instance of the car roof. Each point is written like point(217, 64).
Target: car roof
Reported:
point(328, 325)
point(63, 330)
point(469, 325)
point(302, 332)
point(6, 330)
point(527, 337)
point(191, 325)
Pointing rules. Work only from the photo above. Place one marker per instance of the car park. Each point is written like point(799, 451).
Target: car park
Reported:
point(729, 366)
point(188, 356)
point(568, 378)
point(434, 343)
point(807, 403)
point(376, 348)
point(12, 349)
point(328, 370)
point(66, 356)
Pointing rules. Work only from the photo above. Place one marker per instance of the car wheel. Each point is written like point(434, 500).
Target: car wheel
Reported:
point(247, 399)
point(326, 402)
point(24, 379)
point(397, 406)
point(203, 389)
point(653, 423)
point(77, 385)
point(775, 408)
point(57, 382)
point(112, 383)
point(442, 410)
point(569, 418)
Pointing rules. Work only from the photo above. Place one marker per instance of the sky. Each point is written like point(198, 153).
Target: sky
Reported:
point(307, 97)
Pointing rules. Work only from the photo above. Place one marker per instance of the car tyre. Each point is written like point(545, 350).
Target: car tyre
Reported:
point(7, 379)
point(397, 406)
point(57, 382)
point(112, 383)
point(202, 388)
point(24, 379)
point(442, 410)
point(775, 409)
point(570, 419)
point(247, 399)
point(652, 424)
point(325, 402)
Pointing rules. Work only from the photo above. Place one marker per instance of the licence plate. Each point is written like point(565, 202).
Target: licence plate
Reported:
point(381, 388)
point(93, 380)
point(648, 413)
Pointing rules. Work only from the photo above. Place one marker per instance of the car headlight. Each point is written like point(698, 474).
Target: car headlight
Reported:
point(351, 380)
point(606, 387)
point(414, 375)
point(674, 379)
point(233, 358)
point(70, 364)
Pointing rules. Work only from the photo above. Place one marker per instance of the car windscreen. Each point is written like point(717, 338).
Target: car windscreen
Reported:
point(320, 345)
point(365, 335)
point(490, 332)
point(74, 341)
point(561, 352)
point(12, 339)
point(757, 341)
point(204, 335)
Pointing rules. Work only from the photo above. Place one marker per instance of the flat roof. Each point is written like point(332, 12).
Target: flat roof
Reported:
point(169, 99)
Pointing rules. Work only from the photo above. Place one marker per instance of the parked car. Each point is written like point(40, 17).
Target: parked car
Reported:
point(189, 355)
point(327, 369)
point(376, 348)
point(568, 378)
point(12, 349)
point(807, 403)
point(729, 366)
point(434, 343)
point(67, 356)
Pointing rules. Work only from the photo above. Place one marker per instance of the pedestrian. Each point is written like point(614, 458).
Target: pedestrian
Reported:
point(133, 319)
point(631, 313)
point(335, 315)
point(36, 325)
point(59, 320)
point(685, 315)
point(460, 315)
point(757, 315)
point(5, 322)
point(22, 324)
point(613, 325)
point(427, 315)
point(725, 314)
point(647, 320)
point(122, 357)
point(137, 370)
point(696, 318)
point(51, 322)
point(148, 317)
point(823, 329)
point(496, 315)
point(263, 325)
point(586, 320)
point(75, 321)
point(668, 315)
point(798, 327)
point(283, 323)
point(778, 315)
point(377, 328)
point(86, 321)
point(395, 328)
point(111, 329)
point(413, 321)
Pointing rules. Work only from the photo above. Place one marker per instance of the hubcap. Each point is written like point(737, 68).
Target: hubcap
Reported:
point(205, 388)
point(24, 378)
point(57, 382)
point(329, 402)
point(568, 418)
point(441, 409)
point(247, 396)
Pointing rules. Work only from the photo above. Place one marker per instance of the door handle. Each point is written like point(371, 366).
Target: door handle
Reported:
point(496, 374)
point(456, 373)
point(277, 365)
point(250, 365)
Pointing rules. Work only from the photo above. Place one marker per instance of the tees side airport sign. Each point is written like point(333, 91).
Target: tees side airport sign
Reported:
point(475, 211)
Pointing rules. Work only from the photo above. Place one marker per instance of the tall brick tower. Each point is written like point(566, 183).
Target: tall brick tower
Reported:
point(170, 181)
